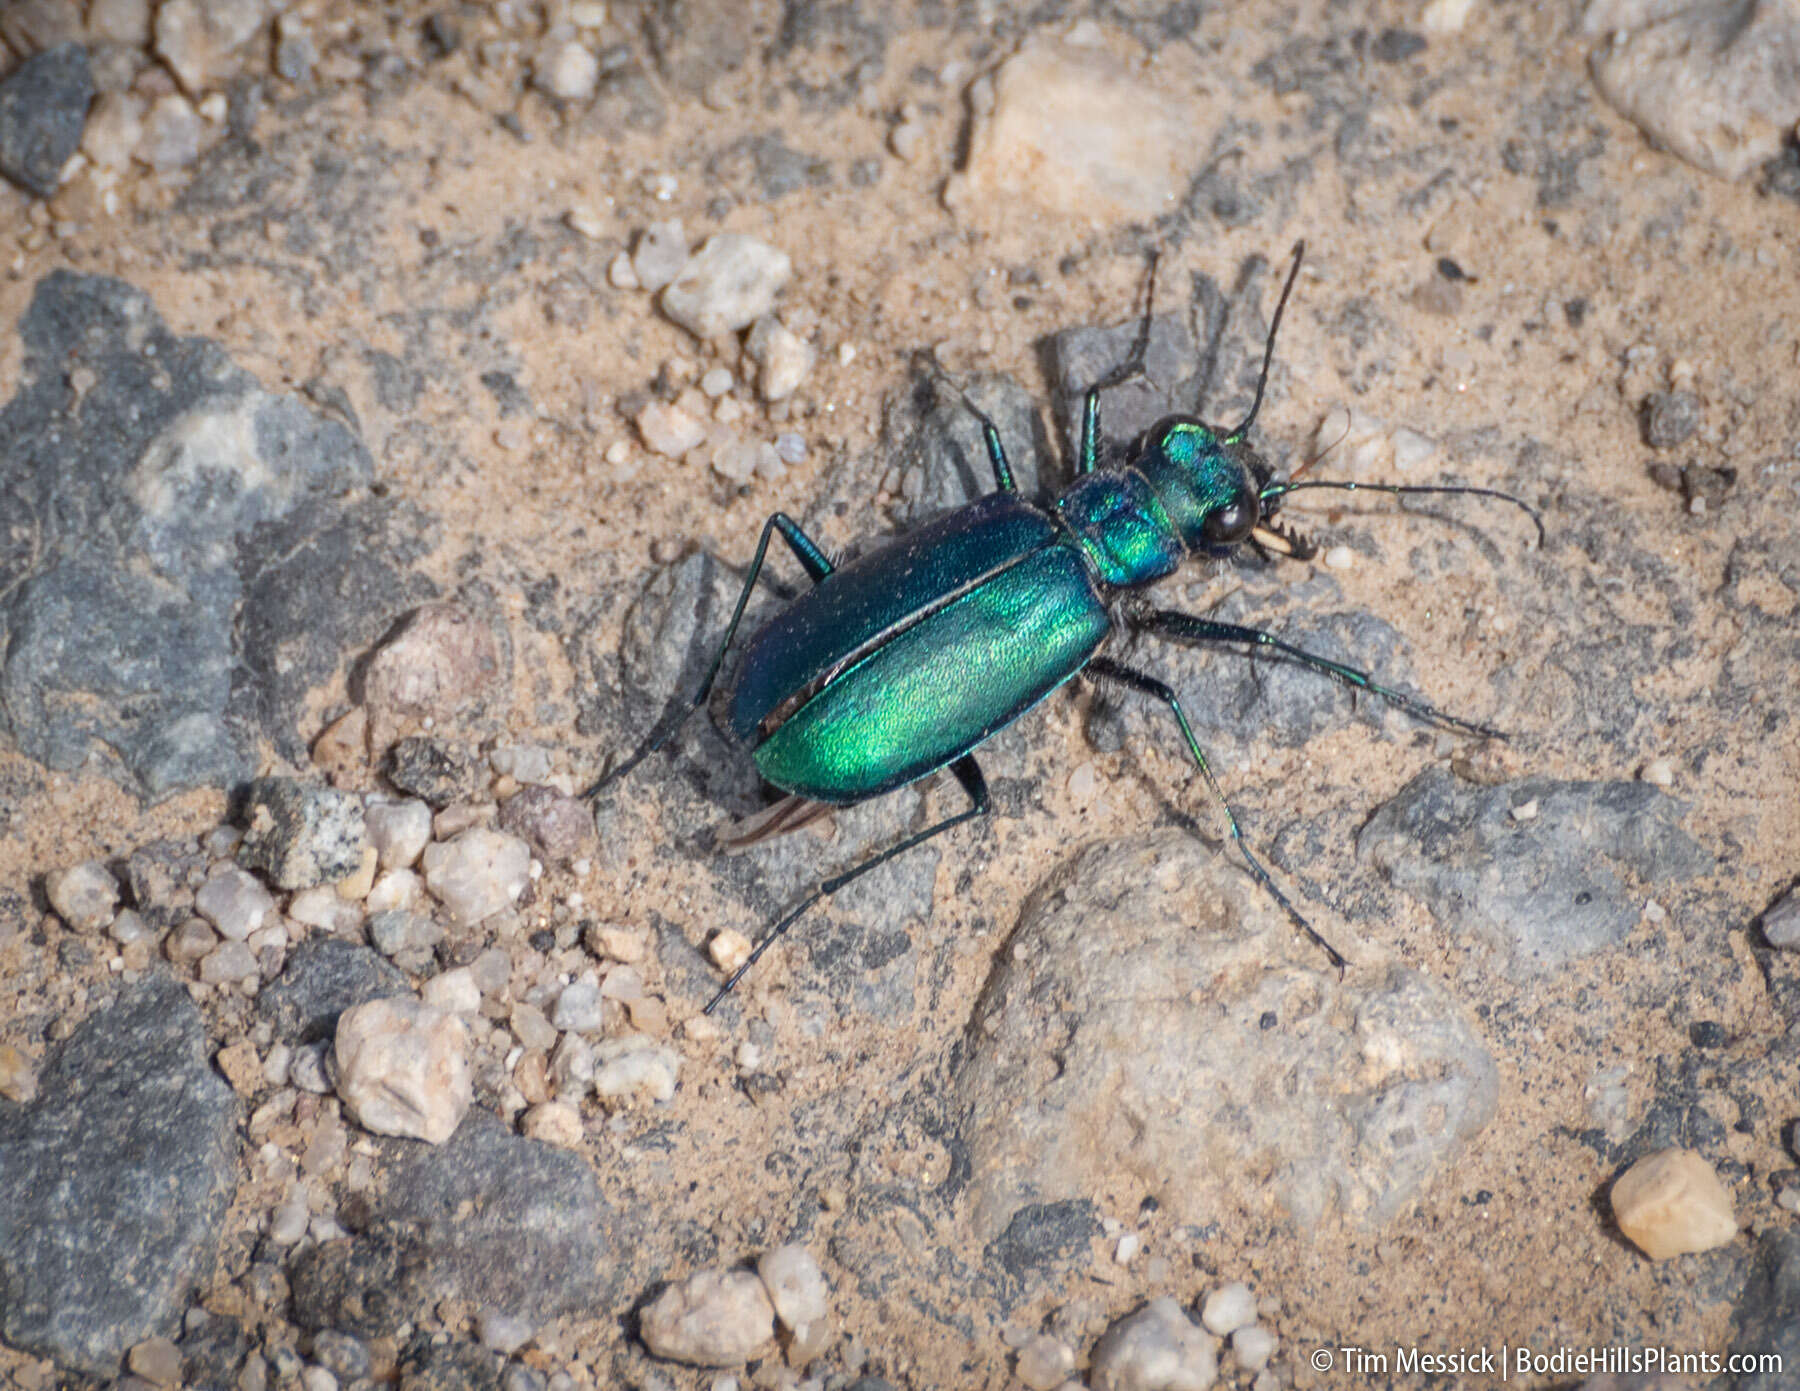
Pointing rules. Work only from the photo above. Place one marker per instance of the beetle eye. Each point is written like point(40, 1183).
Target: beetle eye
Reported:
point(1227, 525)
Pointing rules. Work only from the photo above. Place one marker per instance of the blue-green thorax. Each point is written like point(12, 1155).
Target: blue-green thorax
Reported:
point(1185, 490)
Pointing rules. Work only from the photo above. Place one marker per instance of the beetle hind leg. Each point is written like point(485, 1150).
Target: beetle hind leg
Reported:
point(1108, 670)
point(968, 773)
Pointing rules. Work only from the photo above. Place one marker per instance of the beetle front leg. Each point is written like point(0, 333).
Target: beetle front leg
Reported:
point(1172, 623)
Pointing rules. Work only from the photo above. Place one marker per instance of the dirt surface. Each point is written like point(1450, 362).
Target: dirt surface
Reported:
point(1495, 261)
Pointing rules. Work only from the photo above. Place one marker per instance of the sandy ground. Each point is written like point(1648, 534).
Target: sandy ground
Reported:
point(415, 221)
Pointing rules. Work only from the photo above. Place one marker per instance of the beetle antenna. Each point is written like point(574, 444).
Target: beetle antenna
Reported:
point(1276, 490)
point(1262, 379)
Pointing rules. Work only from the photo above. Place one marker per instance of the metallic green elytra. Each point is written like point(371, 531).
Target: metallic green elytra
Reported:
point(907, 659)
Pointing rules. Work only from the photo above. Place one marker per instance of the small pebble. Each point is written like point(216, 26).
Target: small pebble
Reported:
point(344, 1355)
point(568, 71)
point(578, 1008)
point(441, 659)
point(502, 1332)
point(1252, 1347)
point(790, 448)
point(1658, 772)
point(1126, 1251)
point(1156, 1349)
point(399, 830)
point(618, 943)
point(1340, 557)
point(555, 1123)
point(784, 357)
point(402, 1068)
point(572, 1067)
point(289, 1222)
point(727, 285)
point(635, 1066)
point(1670, 418)
point(397, 889)
point(307, 1070)
point(1412, 451)
point(157, 1360)
point(1781, 924)
point(1228, 1308)
point(557, 827)
point(18, 1078)
point(1526, 811)
point(234, 902)
point(1045, 1363)
point(317, 1379)
point(795, 1284)
point(1654, 912)
point(716, 1318)
point(623, 983)
point(621, 275)
point(321, 908)
point(171, 138)
point(668, 430)
point(729, 949)
point(531, 1028)
point(1445, 16)
point(228, 963)
point(299, 835)
point(84, 896)
point(1671, 1203)
point(115, 125)
point(660, 254)
point(189, 942)
point(454, 991)
point(478, 873)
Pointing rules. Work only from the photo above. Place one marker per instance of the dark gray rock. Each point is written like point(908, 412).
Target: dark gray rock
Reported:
point(116, 1181)
point(1041, 1238)
point(300, 835)
point(430, 770)
point(489, 1219)
point(344, 1355)
point(1768, 1314)
point(1544, 888)
point(493, 1219)
point(212, 1353)
point(325, 976)
point(190, 553)
point(352, 1285)
point(429, 1365)
point(164, 875)
point(1081, 358)
point(940, 453)
point(43, 107)
point(1669, 418)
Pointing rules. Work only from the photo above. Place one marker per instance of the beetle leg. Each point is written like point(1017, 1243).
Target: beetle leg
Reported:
point(968, 773)
point(1170, 623)
point(990, 433)
point(1108, 670)
point(807, 552)
point(1132, 366)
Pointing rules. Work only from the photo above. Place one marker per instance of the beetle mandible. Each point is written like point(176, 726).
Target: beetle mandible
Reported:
point(908, 658)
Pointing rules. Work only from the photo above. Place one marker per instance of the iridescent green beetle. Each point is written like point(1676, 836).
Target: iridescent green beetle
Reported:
point(907, 659)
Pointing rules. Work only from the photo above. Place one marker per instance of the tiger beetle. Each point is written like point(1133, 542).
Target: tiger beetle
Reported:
point(907, 659)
